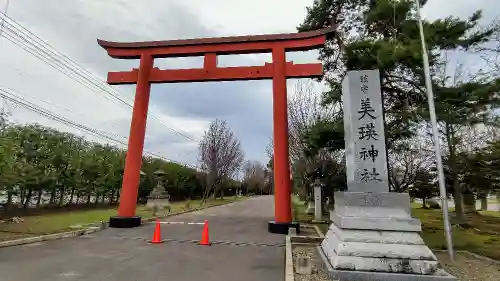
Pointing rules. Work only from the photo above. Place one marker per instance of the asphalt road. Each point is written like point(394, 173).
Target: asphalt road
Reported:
point(242, 250)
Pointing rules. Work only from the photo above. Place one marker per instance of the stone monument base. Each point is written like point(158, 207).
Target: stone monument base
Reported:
point(373, 237)
point(349, 275)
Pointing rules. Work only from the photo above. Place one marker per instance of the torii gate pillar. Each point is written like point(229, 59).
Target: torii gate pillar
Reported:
point(279, 70)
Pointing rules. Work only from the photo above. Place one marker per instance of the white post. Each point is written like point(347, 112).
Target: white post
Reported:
point(318, 203)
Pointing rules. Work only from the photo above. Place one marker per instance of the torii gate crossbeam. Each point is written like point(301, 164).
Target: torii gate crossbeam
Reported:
point(279, 70)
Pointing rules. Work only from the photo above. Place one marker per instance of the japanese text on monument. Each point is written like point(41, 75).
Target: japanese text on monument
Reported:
point(366, 159)
point(367, 131)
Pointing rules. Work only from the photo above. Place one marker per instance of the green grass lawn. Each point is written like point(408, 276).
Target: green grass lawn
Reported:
point(299, 214)
point(60, 222)
point(481, 237)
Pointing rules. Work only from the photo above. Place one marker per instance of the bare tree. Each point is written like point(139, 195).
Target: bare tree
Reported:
point(407, 159)
point(490, 52)
point(270, 148)
point(304, 110)
point(255, 176)
point(221, 155)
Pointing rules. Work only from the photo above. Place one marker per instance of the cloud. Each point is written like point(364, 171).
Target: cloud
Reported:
point(73, 26)
point(435, 9)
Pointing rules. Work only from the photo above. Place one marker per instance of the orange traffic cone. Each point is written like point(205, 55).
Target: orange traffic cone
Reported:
point(205, 240)
point(157, 234)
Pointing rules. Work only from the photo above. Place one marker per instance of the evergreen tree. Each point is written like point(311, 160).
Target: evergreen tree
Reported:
point(384, 35)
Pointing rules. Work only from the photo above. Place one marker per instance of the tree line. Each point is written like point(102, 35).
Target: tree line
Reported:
point(384, 35)
point(42, 167)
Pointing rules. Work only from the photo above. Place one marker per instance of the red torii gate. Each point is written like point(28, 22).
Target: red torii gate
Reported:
point(279, 70)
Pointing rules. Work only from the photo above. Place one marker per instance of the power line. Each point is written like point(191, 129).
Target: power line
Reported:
point(50, 103)
point(5, 9)
point(7, 95)
point(36, 46)
point(11, 67)
point(92, 131)
point(60, 65)
point(43, 51)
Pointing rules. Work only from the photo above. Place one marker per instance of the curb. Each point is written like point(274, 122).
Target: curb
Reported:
point(318, 231)
point(152, 219)
point(298, 239)
point(94, 227)
point(289, 274)
point(49, 237)
point(306, 240)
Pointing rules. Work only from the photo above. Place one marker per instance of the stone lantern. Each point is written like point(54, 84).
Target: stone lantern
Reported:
point(159, 199)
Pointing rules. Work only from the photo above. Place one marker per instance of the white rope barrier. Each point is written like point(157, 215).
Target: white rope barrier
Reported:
point(181, 222)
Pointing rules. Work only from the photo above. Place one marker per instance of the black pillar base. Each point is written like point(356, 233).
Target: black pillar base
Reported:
point(282, 227)
point(124, 222)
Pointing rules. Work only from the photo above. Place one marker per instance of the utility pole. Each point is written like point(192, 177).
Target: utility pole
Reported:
point(435, 133)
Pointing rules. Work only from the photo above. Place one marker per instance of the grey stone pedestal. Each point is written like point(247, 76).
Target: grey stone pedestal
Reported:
point(373, 237)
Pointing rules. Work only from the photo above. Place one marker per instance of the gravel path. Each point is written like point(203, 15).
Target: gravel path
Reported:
point(319, 272)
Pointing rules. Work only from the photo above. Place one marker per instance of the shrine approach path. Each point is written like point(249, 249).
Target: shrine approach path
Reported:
point(242, 250)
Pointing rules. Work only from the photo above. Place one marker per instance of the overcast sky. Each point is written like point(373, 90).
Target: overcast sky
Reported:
point(72, 27)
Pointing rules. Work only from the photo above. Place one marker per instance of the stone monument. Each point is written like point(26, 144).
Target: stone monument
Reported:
point(372, 235)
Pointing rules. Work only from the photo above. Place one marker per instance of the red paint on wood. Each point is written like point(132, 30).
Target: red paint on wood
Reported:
point(212, 73)
point(210, 61)
point(279, 70)
point(302, 38)
point(133, 161)
point(282, 188)
point(116, 50)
